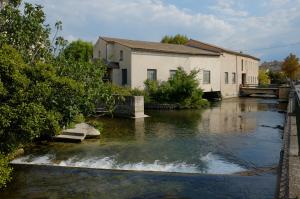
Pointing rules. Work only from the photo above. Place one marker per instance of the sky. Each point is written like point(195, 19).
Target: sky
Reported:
point(268, 29)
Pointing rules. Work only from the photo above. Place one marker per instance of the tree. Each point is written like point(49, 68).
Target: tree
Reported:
point(36, 102)
point(177, 39)
point(182, 88)
point(263, 78)
point(291, 66)
point(277, 77)
point(25, 31)
point(79, 51)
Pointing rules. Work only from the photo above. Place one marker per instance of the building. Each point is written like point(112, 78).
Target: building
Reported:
point(130, 63)
point(236, 68)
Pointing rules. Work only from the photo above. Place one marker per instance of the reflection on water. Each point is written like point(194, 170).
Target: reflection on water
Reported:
point(232, 136)
point(229, 137)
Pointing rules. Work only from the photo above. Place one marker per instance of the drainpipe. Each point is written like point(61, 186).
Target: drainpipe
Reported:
point(236, 74)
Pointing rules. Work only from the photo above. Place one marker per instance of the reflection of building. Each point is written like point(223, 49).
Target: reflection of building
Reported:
point(229, 117)
point(132, 62)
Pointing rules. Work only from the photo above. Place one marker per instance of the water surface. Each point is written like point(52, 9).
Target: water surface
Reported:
point(232, 136)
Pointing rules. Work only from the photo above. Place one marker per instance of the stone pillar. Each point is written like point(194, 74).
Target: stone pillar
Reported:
point(133, 107)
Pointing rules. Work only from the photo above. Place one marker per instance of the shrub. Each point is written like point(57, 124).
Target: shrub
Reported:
point(5, 171)
point(182, 88)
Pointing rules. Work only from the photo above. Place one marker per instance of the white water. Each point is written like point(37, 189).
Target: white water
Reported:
point(214, 164)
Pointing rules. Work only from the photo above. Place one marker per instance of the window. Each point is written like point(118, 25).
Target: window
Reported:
point(242, 65)
point(226, 77)
point(124, 77)
point(121, 55)
point(99, 54)
point(151, 74)
point(233, 78)
point(172, 73)
point(206, 77)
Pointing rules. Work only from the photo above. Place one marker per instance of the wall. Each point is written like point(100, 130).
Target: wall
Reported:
point(111, 52)
point(233, 64)
point(163, 63)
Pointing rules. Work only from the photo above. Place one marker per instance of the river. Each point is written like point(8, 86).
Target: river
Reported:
point(230, 150)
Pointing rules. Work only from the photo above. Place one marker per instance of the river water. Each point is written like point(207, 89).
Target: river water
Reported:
point(172, 154)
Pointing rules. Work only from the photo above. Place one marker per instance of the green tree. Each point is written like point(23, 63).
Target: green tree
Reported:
point(79, 51)
point(277, 77)
point(291, 66)
point(25, 30)
point(263, 78)
point(36, 101)
point(177, 39)
point(182, 88)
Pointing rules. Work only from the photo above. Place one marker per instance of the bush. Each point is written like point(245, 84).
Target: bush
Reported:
point(5, 171)
point(36, 102)
point(182, 88)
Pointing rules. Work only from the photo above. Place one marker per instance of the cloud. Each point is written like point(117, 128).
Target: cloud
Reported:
point(226, 7)
point(236, 24)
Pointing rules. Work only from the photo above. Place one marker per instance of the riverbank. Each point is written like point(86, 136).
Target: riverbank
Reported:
point(289, 170)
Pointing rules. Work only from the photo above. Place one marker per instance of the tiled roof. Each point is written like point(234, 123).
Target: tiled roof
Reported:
point(217, 49)
point(160, 47)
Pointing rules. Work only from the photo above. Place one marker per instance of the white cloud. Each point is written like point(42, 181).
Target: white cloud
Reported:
point(226, 23)
point(227, 7)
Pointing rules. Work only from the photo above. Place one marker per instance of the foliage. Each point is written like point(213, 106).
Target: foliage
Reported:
point(43, 85)
point(177, 39)
point(25, 31)
point(5, 170)
point(36, 102)
point(79, 50)
point(95, 123)
point(277, 77)
point(263, 78)
point(291, 66)
point(89, 75)
point(182, 88)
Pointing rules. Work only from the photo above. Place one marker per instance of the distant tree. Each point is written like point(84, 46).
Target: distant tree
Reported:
point(291, 66)
point(277, 77)
point(263, 78)
point(177, 39)
point(79, 51)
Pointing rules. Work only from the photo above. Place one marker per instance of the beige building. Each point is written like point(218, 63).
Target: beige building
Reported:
point(130, 63)
point(236, 68)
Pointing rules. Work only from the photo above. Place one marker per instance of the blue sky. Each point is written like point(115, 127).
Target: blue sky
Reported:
point(243, 25)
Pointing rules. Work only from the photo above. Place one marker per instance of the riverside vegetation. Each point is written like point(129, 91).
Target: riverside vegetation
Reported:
point(47, 84)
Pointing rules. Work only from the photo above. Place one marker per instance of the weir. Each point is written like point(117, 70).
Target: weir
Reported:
point(280, 92)
point(230, 150)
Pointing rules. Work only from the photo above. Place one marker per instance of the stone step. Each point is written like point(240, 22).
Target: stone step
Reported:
point(73, 132)
point(69, 138)
point(79, 133)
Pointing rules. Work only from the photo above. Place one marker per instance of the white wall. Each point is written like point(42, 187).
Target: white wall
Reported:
point(163, 63)
point(233, 64)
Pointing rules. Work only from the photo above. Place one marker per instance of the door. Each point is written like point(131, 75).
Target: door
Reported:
point(244, 80)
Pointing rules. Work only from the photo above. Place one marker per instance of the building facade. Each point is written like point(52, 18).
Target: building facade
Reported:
point(130, 63)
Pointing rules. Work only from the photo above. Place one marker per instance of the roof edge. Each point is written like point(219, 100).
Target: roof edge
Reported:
point(220, 49)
